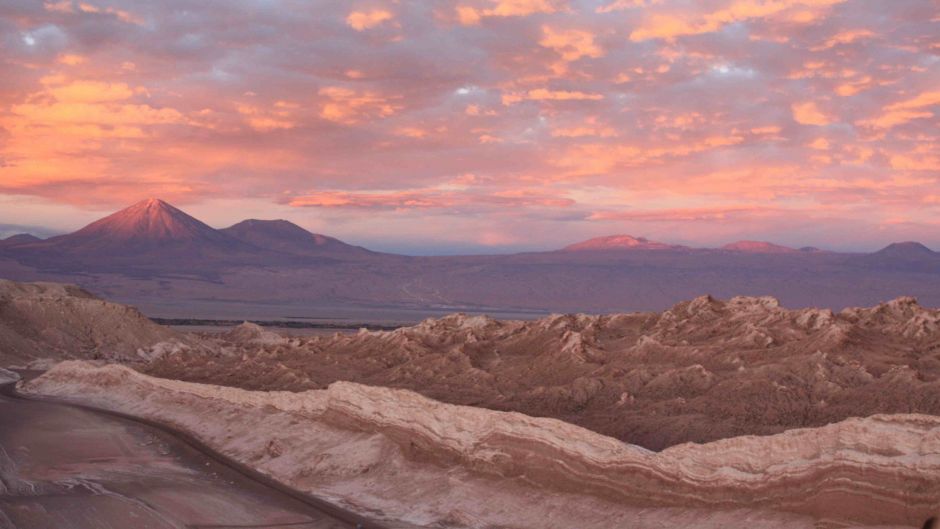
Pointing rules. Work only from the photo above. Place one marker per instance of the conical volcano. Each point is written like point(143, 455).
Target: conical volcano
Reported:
point(148, 235)
point(151, 221)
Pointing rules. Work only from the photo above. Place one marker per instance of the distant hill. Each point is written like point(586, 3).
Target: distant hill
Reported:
point(287, 237)
point(757, 247)
point(19, 239)
point(907, 256)
point(907, 250)
point(619, 242)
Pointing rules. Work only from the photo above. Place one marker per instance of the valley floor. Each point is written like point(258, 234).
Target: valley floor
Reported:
point(67, 468)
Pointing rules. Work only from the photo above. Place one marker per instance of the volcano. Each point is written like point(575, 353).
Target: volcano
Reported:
point(908, 250)
point(280, 262)
point(150, 223)
point(905, 257)
point(148, 235)
point(287, 237)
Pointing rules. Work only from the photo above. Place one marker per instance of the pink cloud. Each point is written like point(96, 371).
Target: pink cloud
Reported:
point(362, 20)
point(558, 109)
point(436, 198)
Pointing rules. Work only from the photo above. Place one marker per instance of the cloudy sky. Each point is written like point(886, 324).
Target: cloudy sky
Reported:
point(480, 125)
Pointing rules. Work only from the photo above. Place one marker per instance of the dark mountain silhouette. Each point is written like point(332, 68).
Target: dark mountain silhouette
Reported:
point(19, 239)
point(287, 237)
point(906, 256)
point(908, 249)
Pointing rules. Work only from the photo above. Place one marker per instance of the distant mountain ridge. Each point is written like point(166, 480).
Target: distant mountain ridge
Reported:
point(20, 238)
point(154, 235)
point(154, 251)
point(757, 247)
point(284, 236)
point(619, 242)
point(154, 222)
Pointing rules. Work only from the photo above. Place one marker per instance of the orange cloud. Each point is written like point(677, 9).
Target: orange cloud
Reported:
point(363, 20)
point(570, 44)
point(429, 198)
point(845, 37)
point(544, 94)
point(620, 5)
point(266, 120)
point(677, 24)
point(538, 92)
point(597, 158)
point(69, 6)
point(807, 113)
point(411, 132)
point(71, 59)
point(348, 106)
point(905, 111)
point(470, 15)
point(925, 157)
point(589, 128)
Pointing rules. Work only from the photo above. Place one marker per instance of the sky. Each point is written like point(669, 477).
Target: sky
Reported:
point(480, 125)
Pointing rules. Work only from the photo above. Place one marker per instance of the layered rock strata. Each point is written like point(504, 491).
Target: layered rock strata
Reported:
point(401, 455)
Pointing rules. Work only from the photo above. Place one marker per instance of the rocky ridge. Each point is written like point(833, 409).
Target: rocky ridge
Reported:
point(703, 370)
point(378, 449)
point(45, 322)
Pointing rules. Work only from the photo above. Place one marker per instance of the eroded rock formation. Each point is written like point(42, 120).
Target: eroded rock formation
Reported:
point(381, 449)
point(51, 321)
point(703, 370)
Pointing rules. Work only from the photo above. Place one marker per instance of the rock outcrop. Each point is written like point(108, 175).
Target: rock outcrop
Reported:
point(51, 321)
point(705, 369)
point(252, 333)
point(380, 450)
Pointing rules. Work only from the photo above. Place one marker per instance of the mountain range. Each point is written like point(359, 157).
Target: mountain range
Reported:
point(153, 253)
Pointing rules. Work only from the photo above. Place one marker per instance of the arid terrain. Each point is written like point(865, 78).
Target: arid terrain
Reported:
point(49, 321)
point(703, 370)
point(713, 413)
point(470, 264)
point(400, 456)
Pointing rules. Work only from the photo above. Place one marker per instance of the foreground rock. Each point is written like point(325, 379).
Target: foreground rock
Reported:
point(7, 376)
point(403, 456)
point(704, 370)
point(50, 321)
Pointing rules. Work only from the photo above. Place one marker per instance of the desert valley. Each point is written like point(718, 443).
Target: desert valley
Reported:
point(469, 264)
point(713, 413)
